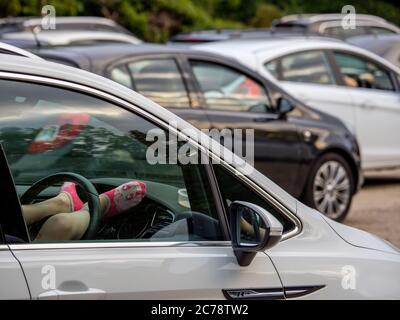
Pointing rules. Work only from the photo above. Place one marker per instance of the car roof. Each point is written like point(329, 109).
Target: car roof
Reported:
point(6, 48)
point(250, 51)
point(385, 45)
point(37, 21)
point(95, 57)
point(315, 18)
point(41, 68)
point(66, 37)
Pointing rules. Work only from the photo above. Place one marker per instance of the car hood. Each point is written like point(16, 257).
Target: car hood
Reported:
point(361, 238)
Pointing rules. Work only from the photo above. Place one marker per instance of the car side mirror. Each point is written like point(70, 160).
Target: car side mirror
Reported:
point(253, 230)
point(284, 106)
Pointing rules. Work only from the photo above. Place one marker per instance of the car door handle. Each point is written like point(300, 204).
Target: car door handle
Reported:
point(72, 290)
point(367, 106)
point(90, 294)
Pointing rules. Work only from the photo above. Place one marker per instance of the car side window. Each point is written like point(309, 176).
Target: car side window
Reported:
point(45, 130)
point(121, 75)
point(272, 68)
point(339, 32)
point(362, 73)
point(161, 81)
point(380, 30)
point(232, 189)
point(229, 90)
point(307, 67)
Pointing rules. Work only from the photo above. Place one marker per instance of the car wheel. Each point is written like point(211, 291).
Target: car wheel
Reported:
point(330, 187)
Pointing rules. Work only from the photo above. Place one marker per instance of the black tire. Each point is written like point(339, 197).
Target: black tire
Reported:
point(335, 198)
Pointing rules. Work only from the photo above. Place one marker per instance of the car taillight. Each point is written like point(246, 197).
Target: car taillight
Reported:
point(58, 134)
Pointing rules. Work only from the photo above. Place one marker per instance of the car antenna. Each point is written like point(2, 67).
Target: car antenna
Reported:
point(35, 30)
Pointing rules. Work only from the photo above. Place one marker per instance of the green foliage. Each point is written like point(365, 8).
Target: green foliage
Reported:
point(266, 13)
point(157, 20)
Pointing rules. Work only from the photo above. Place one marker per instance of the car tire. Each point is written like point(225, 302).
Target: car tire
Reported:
point(330, 188)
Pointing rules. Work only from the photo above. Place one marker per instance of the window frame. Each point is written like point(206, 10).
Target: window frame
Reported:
point(341, 83)
point(325, 52)
point(211, 178)
point(202, 59)
point(124, 63)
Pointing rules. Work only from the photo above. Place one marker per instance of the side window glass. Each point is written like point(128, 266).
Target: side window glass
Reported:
point(121, 75)
point(232, 189)
point(161, 81)
point(335, 32)
point(45, 130)
point(227, 89)
point(307, 67)
point(380, 30)
point(272, 68)
point(362, 73)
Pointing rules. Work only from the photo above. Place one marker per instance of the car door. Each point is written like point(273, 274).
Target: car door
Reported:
point(236, 101)
point(13, 284)
point(47, 129)
point(308, 76)
point(161, 79)
point(373, 90)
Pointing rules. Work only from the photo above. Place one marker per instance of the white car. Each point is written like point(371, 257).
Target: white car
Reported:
point(187, 238)
point(67, 37)
point(355, 85)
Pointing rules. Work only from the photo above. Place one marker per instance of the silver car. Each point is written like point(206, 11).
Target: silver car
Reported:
point(186, 239)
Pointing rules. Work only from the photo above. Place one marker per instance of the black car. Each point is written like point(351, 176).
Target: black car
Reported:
point(307, 152)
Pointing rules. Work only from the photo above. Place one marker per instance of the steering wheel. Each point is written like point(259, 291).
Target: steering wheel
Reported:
point(93, 197)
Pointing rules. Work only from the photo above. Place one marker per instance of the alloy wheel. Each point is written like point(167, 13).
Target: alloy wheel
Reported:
point(332, 189)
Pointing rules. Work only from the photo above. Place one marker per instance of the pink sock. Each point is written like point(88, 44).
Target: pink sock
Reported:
point(124, 197)
point(69, 188)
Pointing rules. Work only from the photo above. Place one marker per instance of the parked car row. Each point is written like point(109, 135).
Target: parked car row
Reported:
point(58, 123)
point(313, 156)
point(57, 118)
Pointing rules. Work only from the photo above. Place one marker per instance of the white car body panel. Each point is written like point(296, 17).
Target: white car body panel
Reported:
point(13, 284)
point(318, 256)
point(372, 115)
point(147, 272)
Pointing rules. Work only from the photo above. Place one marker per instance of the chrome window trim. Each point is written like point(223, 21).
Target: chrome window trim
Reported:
point(118, 245)
point(131, 107)
point(3, 247)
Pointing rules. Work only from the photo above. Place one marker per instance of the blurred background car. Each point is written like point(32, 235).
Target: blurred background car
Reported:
point(310, 154)
point(386, 45)
point(28, 32)
point(330, 25)
point(324, 25)
point(13, 50)
point(357, 86)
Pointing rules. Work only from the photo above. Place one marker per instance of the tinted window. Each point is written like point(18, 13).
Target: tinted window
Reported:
point(380, 30)
point(339, 32)
point(307, 67)
point(362, 73)
point(228, 89)
point(272, 68)
point(233, 189)
point(121, 75)
point(161, 81)
point(45, 130)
